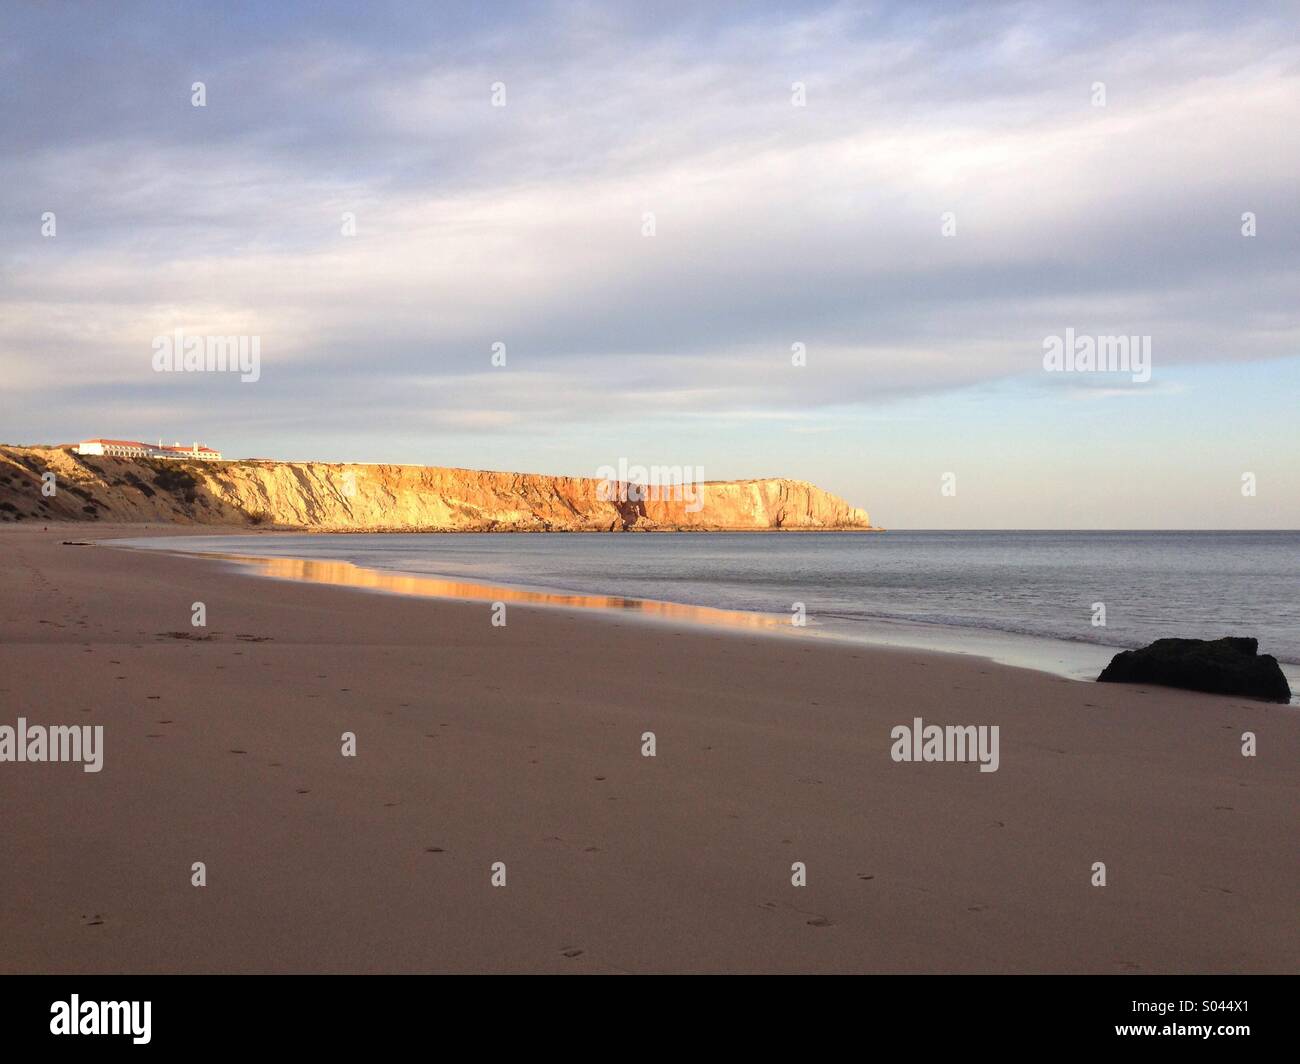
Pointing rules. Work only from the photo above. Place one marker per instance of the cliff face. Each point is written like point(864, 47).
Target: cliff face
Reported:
point(372, 498)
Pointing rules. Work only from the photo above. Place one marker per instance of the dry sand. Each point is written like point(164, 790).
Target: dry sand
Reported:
point(523, 745)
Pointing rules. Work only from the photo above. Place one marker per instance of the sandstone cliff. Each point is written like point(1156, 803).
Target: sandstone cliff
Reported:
point(372, 498)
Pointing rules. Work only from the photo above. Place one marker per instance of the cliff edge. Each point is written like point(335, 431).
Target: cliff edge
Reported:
point(394, 498)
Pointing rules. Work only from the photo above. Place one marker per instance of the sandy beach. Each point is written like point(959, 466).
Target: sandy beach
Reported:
point(523, 745)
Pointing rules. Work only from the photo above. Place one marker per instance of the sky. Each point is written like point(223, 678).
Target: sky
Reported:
point(828, 242)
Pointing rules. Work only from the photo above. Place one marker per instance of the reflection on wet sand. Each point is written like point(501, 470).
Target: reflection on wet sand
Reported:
point(345, 574)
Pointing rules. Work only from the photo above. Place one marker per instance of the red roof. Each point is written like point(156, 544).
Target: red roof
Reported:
point(119, 443)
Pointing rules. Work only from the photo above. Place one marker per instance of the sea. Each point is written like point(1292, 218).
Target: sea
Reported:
point(1062, 602)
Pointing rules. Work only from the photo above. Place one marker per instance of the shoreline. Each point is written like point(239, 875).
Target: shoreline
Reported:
point(1001, 647)
point(1079, 659)
point(523, 744)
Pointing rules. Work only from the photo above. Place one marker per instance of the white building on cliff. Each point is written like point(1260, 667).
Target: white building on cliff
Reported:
point(136, 449)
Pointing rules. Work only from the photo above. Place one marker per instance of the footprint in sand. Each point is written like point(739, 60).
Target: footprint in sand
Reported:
point(239, 751)
point(820, 921)
point(434, 849)
point(571, 952)
point(303, 790)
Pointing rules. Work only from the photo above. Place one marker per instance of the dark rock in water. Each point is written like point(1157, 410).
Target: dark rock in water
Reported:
point(1230, 666)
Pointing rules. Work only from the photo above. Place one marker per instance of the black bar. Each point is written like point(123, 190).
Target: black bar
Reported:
point(601, 1016)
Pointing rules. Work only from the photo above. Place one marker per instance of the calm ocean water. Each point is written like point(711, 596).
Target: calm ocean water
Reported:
point(1012, 595)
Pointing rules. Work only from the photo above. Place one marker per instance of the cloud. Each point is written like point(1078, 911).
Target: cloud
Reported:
point(774, 224)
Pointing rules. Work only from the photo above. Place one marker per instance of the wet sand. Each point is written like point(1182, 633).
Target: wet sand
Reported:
point(522, 744)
